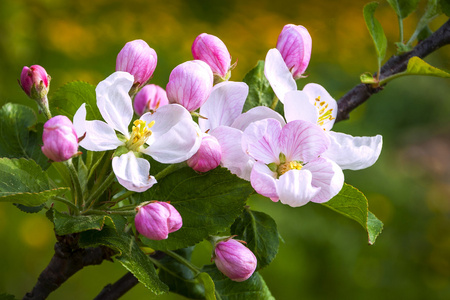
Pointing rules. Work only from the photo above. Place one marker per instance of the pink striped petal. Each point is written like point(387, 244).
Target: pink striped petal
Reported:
point(263, 181)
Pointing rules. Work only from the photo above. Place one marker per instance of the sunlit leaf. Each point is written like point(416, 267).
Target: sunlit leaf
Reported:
point(403, 7)
point(208, 283)
point(417, 66)
point(375, 30)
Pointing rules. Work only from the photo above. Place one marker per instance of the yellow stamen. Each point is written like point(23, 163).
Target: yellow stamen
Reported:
point(139, 134)
point(287, 166)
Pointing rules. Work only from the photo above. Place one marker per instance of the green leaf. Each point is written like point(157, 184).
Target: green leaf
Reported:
point(260, 92)
point(403, 7)
point(252, 288)
point(208, 283)
point(402, 48)
point(4, 296)
point(417, 66)
point(68, 98)
point(445, 6)
point(208, 203)
point(351, 203)
point(260, 232)
point(375, 30)
point(424, 33)
point(367, 78)
point(65, 224)
point(130, 255)
point(19, 134)
point(29, 209)
point(22, 181)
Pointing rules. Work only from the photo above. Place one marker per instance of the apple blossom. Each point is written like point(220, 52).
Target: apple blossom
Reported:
point(155, 220)
point(60, 139)
point(208, 155)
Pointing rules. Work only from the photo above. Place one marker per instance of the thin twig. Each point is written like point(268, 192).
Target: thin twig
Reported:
point(118, 289)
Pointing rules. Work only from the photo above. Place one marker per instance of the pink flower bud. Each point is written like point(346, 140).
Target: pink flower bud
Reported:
point(60, 139)
point(212, 51)
point(234, 260)
point(35, 82)
point(138, 59)
point(157, 219)
point(208, 155)
point(294, 44)
point(149, 99)
point(190, 84)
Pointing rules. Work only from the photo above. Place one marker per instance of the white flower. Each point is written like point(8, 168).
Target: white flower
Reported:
point(169, 135)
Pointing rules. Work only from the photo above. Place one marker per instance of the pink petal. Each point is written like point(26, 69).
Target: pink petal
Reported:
point(256, 114)
point(263, 181)
point(295, 188)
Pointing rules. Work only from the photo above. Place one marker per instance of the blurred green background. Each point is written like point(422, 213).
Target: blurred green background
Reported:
point(325, 256)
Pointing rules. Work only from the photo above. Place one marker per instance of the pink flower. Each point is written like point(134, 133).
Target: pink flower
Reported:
point(35, 82)
point(234, 260)
point(138, 59)
point(208, 155)
point(212, 51)
point(190, 84)
point(157, 219)
point(60, 139)
point(294, 44)
point(149, 98)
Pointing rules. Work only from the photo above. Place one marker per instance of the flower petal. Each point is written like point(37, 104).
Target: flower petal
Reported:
point(353, 152)
point(278, 74)
point(256, 114)
point(114, 102)
point(327, 176)
point(233, 157)
point(224, 105)
point(79, 120)
point(261, 140)
point(303, 141)
point(295, 188)
point(298, 107)
point(175, 138)
point(263, 181)
point(133, 172)
point(323, 102)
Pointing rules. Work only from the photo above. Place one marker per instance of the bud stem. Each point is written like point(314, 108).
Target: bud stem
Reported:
point(78, 199)
point(106, 183)
point(43, 107)
point(183, 261)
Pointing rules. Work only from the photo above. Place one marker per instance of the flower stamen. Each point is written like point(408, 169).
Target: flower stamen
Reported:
point(139, 134)
point(325, 114)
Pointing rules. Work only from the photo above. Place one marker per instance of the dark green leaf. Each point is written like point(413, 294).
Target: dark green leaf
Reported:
point(130, 255)
point(403, 7)
point(260, 232)
point(68, 98)
point(252, 288)
point(29, 209)
point(445, 6)
point(19, 134)
point(424, 33)
point(375, 30)
point(260, 93)
point(208, 203)
point(65, 224)
point(7, 297)
point(22, 181)
point(353, 204)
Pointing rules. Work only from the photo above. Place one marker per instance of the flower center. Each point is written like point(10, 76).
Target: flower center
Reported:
point(325, 113)
point(284, 165)
point(139, 134)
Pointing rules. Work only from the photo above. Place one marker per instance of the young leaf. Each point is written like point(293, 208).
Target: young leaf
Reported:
point(22, 181)
point(208, 203)
point(129, 255)
point(19, 134)
point(260, 232)
point(208, 283)
point(29, 209)
point(260, 93)
point(403, 7)
point(65, 224)
point(375, 30)
point(417, 66)
point(252, 288)
point(68, 98)
point(353, 204)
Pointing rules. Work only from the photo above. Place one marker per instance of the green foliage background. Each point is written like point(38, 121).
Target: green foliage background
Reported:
point(324, 255)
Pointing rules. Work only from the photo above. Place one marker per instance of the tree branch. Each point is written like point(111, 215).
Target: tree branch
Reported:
point(360, 93)
point(118, 289)
point(67, 260)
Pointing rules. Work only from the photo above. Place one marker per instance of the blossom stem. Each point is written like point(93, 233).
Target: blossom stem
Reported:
point(43, 107)
point(105, 184)
point(78, 199)
point(274, 102)
point(72, 206)
point(123, 196)
point(170, 169)
point(183, 261)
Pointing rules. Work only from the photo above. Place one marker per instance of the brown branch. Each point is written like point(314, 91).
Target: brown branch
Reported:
point(360, 93)
point(118, 289)
point(67, 260)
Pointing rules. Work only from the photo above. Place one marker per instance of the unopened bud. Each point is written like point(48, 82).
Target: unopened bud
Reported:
point(295, 44)
point(190, 84)
point(60, 139)
point(156, 220)
point(149, 98)
point(35, 82)
point(212, 51)
point(138, 59)
point(234, 260)
point(208, 155)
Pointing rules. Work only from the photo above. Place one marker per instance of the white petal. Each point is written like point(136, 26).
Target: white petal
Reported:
point(298, 107)
point(175, 138)
point(224, 105)
point(295, 188)
point(114, 102)
point(79, 120)
point(353, 153)
point(316, 91)
point(256, 114)
point(99, 137)
point(132, 172)
point(327, 176)
point(263, 181)
point(233, 157)
point(278, 74)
